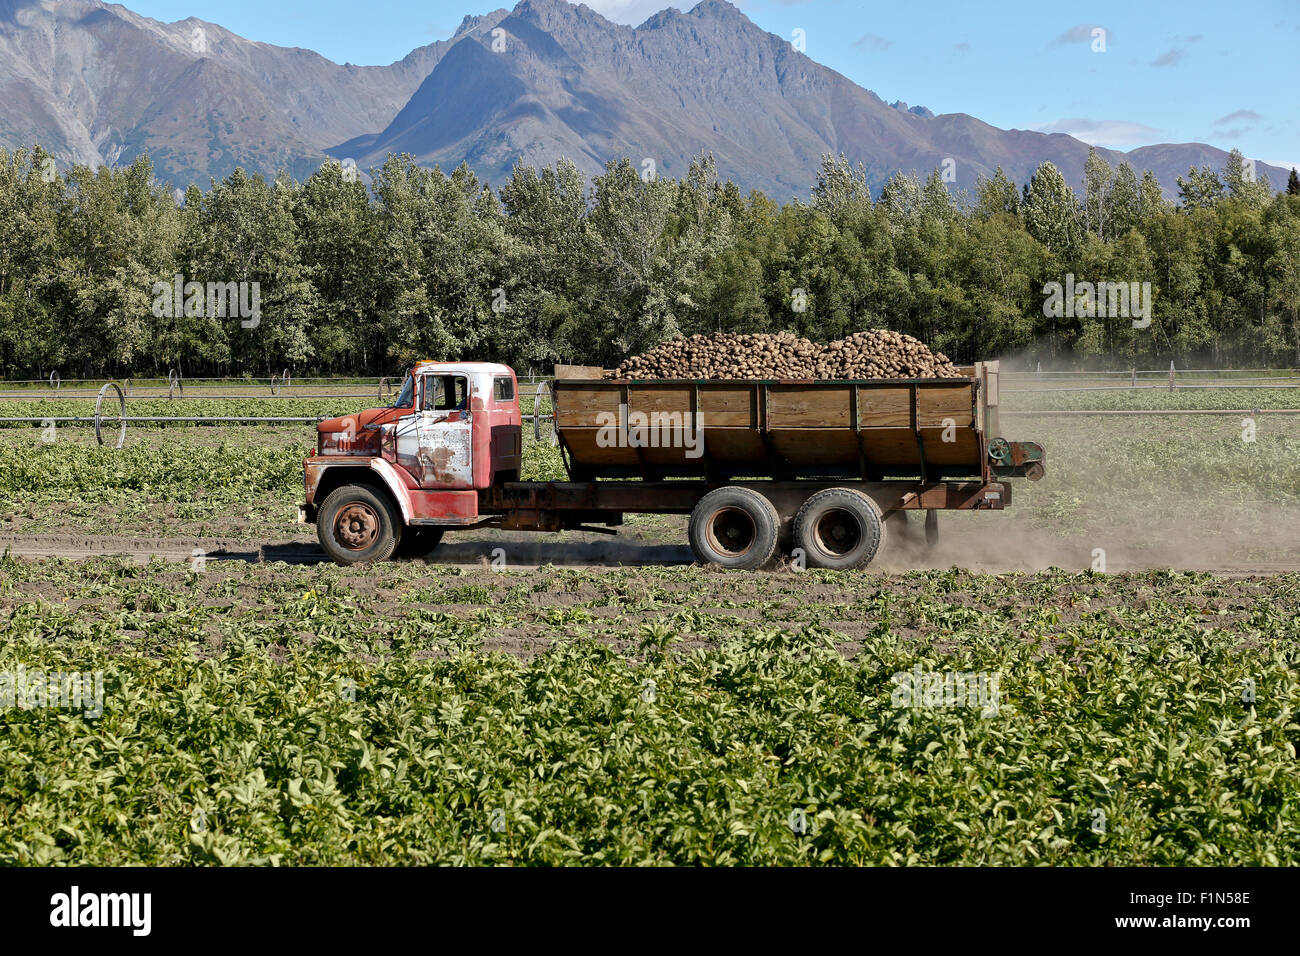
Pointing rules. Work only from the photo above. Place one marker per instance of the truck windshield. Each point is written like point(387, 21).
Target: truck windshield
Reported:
point(406, 397)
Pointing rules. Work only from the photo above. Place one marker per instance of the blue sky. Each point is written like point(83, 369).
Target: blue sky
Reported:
point(1219, 73)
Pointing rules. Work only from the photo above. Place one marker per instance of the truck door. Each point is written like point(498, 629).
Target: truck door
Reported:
point(436, 444)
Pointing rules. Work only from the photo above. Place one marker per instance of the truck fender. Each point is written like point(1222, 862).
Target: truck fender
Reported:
point(396, 486)
point(386, 472)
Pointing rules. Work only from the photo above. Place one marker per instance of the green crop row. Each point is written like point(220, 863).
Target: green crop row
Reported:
point(314, 408)
point(306, 728)
point(1021, 396)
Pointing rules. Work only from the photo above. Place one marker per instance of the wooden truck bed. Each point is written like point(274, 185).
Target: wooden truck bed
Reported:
point(867, 429)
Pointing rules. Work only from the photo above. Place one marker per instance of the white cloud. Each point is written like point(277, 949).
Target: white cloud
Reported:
point(1284, 163)
point(1105, 132)
point(1237, 117)
point(1082, 33)
point(630, 12)
point(872, 41)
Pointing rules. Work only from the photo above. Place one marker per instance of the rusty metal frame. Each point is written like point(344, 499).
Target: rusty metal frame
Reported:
point(680, 497)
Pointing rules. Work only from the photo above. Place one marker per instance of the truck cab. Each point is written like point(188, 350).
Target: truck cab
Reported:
point(389, 480)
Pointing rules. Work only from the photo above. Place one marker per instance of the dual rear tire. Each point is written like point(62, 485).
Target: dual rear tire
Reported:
point(737, 528)
point(839, 529)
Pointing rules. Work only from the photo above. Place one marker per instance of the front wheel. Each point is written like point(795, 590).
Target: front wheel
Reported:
point(734, 527)
point(357, 524)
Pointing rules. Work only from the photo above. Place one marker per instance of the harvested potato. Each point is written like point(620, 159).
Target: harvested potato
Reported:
point(876, 353)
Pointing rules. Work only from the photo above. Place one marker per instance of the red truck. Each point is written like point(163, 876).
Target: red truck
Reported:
point(810, 468)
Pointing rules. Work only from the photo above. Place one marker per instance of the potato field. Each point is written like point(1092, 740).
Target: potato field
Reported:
point(1104, 674)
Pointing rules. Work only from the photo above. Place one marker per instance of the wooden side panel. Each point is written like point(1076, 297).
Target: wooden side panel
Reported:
point(659, 399)
point(990, 399)
point(884, 407)
point(891, 447)
point(585, 448)
point(809, 447)
point(735, 446)
point(809, 425)
point(933, 405)
point(728, 406)
point(963, 449)
point(809, 406)
point(577, 405)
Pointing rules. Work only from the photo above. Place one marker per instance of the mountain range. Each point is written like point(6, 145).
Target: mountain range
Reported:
point(96, 83)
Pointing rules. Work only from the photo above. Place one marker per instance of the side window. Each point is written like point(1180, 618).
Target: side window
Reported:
point(446, 393)
point(458, 393)
point(503, 389)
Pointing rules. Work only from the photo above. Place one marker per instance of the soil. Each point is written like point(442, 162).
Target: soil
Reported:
point(988, 543)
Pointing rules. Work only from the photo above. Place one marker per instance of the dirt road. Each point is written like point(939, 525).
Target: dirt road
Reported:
point(969, 548)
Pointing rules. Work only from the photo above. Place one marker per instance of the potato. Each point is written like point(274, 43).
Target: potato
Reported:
point(875, 353)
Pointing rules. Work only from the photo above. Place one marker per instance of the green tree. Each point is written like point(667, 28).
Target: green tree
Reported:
point(996, 196)
point(631, 258)
point(1242, 183)
point(1097, 178)
point(841, 192)
point(32, 338)
point(1202, 188)
point(546, 223)
point(340, 259)
point(1050, 210)
point(1283, 265)
point(1125, 201)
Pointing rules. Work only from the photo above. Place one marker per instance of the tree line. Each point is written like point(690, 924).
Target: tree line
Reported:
point(363, 277)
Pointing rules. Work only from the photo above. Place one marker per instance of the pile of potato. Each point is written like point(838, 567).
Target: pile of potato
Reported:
point(877, 353)
point(726, 355)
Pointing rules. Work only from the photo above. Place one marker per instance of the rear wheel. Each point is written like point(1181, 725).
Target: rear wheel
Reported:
point(839, 528)
point(418, 541)
point(357, 524)
point(734, 527)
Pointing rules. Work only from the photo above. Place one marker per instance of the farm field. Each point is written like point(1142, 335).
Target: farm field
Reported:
point(635, 708)
point(1149, 491)
point(318, 715)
